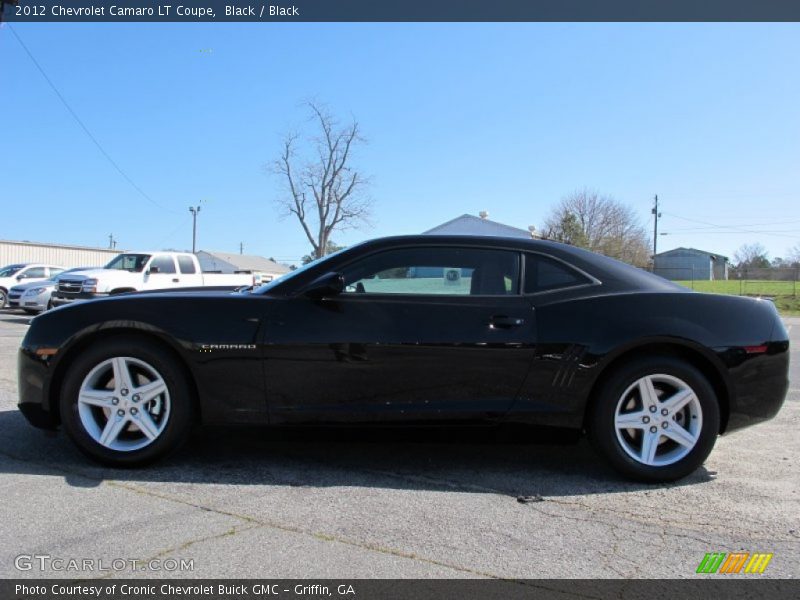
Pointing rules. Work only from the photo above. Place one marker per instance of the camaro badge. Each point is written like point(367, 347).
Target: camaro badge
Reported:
point(212, 347)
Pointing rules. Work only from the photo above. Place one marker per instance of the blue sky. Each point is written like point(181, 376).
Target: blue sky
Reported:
point(460, 118)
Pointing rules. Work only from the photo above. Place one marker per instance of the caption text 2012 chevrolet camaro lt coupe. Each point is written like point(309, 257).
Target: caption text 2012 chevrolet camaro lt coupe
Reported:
point(417, 330)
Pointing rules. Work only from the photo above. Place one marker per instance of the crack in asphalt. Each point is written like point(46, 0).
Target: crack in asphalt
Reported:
point(256, 523)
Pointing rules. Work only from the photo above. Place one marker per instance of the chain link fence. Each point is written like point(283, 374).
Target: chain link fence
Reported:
point(769, 282)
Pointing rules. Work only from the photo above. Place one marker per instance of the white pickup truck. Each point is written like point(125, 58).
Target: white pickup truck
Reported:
point(139, 271)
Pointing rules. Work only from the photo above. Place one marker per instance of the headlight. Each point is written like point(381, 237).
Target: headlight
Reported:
point(35, 291)
point(90, 285)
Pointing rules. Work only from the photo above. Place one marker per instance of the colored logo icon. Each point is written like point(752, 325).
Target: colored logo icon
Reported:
point(733, 563)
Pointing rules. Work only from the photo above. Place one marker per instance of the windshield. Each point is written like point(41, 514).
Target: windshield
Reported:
point(10, 270)
point(299, 271)
point(129, 262)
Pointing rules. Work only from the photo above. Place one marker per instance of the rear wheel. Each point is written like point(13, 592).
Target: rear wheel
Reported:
point(126, 402)
point(655, 419)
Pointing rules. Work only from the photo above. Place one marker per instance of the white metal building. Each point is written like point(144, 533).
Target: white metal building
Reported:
point(54, 254)
point(230, 263)
point(480, 225)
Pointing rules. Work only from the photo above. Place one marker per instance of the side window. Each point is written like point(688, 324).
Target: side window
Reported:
point(425, 271)
point(55, 271)
point(164, 263)
point(186, 265)
point(543, 274)
point(33, 273)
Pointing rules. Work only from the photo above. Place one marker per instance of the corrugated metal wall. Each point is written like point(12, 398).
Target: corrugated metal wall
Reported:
point(64, 256)
point(683, 266)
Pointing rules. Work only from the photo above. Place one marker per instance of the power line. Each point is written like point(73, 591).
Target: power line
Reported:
point(83, 126)
point(729, 228)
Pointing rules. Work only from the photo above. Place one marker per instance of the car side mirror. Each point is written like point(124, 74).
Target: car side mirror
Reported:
point(20, 277)
point(329, 284)
point(152, 270)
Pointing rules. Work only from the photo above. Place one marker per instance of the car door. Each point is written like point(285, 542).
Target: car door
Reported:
point(419, 334)
point(188, 276)
point(160, 273)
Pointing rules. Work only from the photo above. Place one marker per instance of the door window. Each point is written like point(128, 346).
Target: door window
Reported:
point(442, 271)
point(186, 265)
point(34, 273)
point(164, 264)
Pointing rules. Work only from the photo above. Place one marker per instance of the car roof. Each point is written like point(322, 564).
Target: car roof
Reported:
point(34, 264)
point(617, 274)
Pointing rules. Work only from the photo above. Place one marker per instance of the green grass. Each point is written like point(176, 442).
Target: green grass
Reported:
point(785, 293)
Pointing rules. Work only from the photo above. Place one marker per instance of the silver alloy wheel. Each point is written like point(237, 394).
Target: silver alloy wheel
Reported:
point(658, 420)
point(124, 404)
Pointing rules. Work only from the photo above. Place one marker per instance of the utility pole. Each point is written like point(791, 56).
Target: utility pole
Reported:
point(656, 217)
point(241, 247)
point(194, 210)
point(112, 243)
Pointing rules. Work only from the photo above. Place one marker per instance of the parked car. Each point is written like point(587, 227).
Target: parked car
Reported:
point(433, 330)
point(138, 271)
point(11, 275)
point(35, 297)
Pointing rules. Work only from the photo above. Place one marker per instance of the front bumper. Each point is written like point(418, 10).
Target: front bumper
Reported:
point(13, 300)
point(62, 299)
point(33, 380)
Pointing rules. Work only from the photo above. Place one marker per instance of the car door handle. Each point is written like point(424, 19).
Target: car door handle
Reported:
point(504, 322)
point(176, 280)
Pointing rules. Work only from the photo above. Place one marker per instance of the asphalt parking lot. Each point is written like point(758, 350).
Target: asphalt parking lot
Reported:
point(246, 503)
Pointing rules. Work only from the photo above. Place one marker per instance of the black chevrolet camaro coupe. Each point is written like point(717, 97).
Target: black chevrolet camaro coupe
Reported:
point(417, 330)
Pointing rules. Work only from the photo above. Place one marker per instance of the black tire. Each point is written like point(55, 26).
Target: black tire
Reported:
point(180, 418)
point(3, 298)
point(602, 428)
point(29, 311)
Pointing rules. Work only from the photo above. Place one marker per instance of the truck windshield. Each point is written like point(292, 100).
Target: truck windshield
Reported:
point(129, 262)
point(10, 270)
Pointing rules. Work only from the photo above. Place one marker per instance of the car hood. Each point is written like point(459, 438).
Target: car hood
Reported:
point(91, 274)
point(33, 284)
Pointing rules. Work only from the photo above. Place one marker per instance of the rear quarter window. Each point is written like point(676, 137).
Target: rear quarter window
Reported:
point(543, 274)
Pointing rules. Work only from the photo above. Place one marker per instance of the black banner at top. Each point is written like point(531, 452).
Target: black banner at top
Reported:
point(398, 10)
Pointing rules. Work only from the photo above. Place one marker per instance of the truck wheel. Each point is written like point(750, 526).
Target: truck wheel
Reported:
point(126, 402)
point(656, 419)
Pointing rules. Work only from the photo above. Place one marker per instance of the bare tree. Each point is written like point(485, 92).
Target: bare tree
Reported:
point(601, 224)
point(751, 256)
point(323, 190)
point(793, 257)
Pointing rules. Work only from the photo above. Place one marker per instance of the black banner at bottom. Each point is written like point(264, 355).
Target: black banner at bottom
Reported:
point(732, 588)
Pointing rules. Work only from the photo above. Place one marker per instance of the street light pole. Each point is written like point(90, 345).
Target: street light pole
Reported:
point(194, 210)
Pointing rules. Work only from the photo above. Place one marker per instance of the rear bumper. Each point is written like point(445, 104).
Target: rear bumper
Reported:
point(32, 375)
point(759, 384)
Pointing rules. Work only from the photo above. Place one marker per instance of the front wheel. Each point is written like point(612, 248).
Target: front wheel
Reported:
point(126, 402)
point(655, 419)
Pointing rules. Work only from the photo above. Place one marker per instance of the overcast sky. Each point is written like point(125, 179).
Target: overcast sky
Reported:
point(460, 118)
